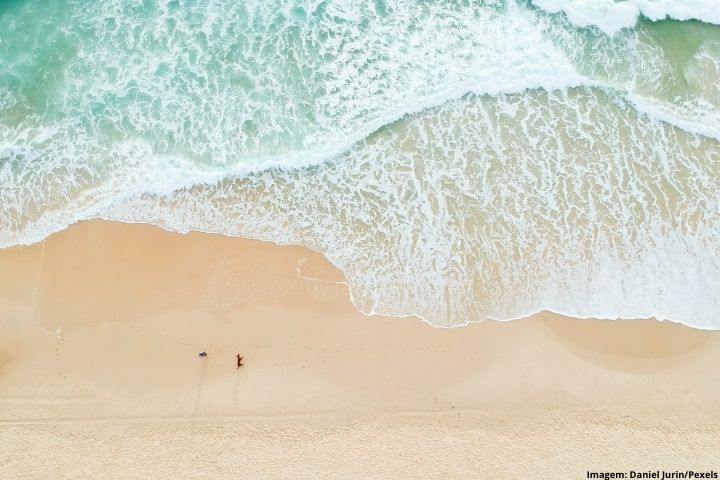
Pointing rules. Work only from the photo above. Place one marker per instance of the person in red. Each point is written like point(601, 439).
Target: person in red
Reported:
point(239, 361)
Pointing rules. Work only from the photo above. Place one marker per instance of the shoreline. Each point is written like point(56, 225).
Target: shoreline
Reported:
point(101, 325)
point(534, 313)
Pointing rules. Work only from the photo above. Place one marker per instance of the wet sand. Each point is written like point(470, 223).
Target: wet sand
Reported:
point(101, 326)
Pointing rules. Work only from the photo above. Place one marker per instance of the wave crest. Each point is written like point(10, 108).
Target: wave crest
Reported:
point(611, 16)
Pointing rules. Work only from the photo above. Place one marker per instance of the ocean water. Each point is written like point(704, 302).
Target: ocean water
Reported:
point(457, 160)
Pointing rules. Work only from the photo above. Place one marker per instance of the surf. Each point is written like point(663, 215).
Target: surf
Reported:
point(455, 161)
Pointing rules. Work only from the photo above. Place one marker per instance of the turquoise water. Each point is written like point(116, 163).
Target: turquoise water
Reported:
point(457, 160)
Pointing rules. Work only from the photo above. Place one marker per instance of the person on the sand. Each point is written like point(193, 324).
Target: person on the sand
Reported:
point(239, 361)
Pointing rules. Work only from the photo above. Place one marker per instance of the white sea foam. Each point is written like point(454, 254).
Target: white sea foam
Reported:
point(611, 16)
point(703, 10)
point(608, 15)
point(692, 115)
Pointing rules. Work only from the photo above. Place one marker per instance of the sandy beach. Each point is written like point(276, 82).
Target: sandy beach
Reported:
point(384, 180)
point(101, 326)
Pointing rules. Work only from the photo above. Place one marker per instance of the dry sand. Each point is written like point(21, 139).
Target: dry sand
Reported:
point(101, 325)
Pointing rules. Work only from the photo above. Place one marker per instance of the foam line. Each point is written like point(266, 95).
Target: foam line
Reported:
point(611, 16)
